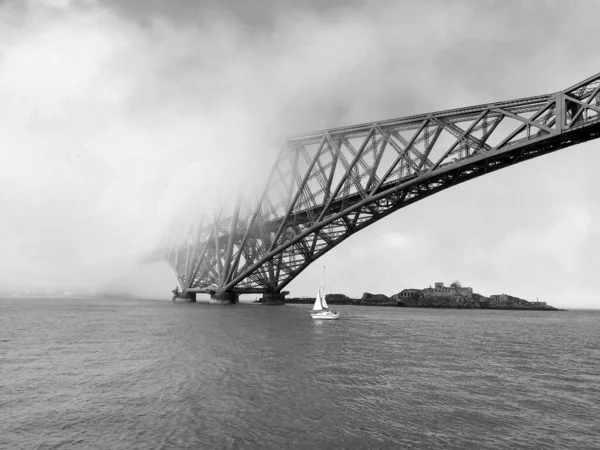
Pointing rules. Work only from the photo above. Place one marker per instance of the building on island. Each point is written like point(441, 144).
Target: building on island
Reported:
point(500, 299)
point(507, 300)
point(455, 289)
point(410, 293)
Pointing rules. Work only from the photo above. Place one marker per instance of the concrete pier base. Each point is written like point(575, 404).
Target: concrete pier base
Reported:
point(273, 298)
point(224, 298)
point(188, 296)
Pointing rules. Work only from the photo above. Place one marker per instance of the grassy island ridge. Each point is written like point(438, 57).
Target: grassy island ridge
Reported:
point(418, 299)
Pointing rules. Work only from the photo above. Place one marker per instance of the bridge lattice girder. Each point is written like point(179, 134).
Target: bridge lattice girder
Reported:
point(327, 185)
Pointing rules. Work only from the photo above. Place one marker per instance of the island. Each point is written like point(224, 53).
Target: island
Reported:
point(439, 296)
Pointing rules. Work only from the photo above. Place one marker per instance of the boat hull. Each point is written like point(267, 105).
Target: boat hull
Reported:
point(328, 316)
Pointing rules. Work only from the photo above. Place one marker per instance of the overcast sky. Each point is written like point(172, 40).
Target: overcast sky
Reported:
point(116, 114)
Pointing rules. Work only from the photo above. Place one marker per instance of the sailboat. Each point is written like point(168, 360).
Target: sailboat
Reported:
point(320, 309)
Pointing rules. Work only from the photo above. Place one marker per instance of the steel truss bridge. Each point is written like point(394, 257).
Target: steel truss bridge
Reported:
point(327, 185)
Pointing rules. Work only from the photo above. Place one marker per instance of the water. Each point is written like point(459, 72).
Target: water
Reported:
point(124, 374)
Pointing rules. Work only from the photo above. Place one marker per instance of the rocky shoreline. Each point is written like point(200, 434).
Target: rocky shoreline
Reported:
point(450, 302)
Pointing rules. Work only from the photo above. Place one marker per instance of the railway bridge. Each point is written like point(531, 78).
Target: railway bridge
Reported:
point(327, 185)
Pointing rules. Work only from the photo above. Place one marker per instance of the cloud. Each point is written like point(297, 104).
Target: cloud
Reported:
point(61, 4)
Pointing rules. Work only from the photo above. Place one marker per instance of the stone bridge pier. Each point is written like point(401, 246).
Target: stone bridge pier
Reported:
point(187, 296)
point(224, 298)
point(274, 298)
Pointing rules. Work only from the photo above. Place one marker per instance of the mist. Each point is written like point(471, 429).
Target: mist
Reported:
point(120, 117)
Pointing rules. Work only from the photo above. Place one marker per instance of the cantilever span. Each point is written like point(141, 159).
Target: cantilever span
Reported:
point(327, 185)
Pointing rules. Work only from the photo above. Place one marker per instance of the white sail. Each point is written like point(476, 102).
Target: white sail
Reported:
point(320, 309)
point(324, 303)
point(318, 306)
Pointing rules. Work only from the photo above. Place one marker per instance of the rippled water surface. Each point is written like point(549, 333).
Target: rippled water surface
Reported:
point(121, 374)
